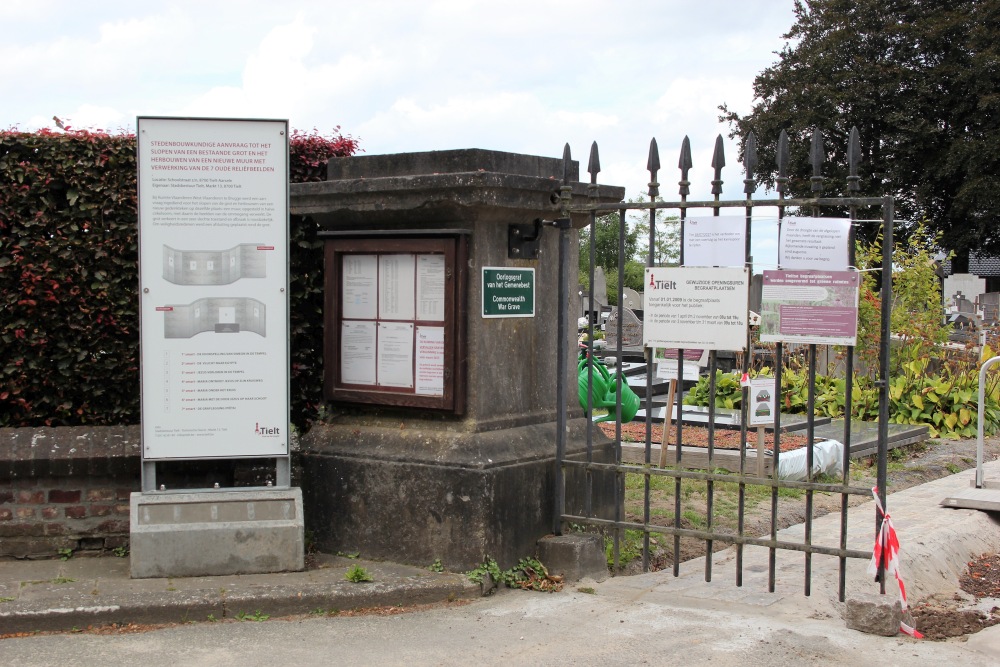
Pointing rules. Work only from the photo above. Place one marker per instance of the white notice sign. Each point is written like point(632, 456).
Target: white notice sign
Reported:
point(763, 401)
point(396, 287)
point(430, 361)
point(357, 353)
point(395, 354)
point(714, 241)
point(430, 287)
point(696, 308)
point(213, 258)
point(814, 243)
point(360, 300)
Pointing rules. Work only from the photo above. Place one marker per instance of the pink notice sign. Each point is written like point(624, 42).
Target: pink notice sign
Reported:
point(810, 307)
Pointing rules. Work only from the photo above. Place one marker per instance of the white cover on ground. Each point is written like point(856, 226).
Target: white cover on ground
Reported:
point(828, 457)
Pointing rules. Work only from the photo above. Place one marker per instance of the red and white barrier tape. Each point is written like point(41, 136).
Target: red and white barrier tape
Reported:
point(886, 553)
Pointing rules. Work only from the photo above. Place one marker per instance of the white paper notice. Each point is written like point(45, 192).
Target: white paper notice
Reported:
point(359, 280)
point(430, 361)
point(714, 241)
point(395, 354)
point(814, 243)
point(396, 287)
point(357, 353)
point(430, 288)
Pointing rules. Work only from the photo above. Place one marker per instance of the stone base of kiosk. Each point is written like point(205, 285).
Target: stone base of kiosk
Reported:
point(415, 495)
point(216, 533)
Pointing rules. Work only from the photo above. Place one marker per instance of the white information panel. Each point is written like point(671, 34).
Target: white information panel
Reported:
point(213, 257)
point(696, 308)
point(814, 243)
point(715, 241)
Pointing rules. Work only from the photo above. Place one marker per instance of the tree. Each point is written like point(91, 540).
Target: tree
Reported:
point(920, 79)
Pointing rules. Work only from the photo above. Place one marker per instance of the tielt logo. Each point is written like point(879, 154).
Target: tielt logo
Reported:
point(661, 284)
point(266, 431)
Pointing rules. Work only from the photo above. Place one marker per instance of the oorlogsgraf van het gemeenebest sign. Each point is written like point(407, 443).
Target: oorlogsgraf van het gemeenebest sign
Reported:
point(213, 249)
point(508, 292)
point(704, 308)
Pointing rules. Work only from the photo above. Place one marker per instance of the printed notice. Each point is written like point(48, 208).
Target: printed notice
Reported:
point(810, 307)
point(360, 277)
point(395, 287)
point(430, 288)
point(696, 308)
point(763, 401)
point(357, 353)
point(430, 361)
point(814, 243)
point(395, 354)
point(715, 241)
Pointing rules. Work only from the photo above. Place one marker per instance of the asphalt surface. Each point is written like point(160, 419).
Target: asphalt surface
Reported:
point(645, 619)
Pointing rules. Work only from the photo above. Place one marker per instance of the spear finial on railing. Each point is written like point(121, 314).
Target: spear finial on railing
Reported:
point(566, 190)
point(816, 155)
point(750, 163)
point(653, 166)
point(593, 168)
point(718, 162)
point(684, 164)
point(853, 158)
point(781, 182)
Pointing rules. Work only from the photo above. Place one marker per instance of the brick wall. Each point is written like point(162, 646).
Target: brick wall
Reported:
point(66, 488)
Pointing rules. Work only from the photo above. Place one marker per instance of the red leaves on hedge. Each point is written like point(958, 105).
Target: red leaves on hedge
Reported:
point(68, 213)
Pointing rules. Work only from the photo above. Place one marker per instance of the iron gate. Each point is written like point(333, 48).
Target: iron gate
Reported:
point(587, 467)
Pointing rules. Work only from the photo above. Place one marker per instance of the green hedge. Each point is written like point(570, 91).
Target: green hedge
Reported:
point(69, 323)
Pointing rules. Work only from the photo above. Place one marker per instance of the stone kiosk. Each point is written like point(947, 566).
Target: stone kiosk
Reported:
point(448, 453)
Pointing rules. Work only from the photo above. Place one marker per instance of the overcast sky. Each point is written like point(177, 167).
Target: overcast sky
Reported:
point(510, 75)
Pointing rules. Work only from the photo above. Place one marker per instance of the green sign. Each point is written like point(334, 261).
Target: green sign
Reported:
point(508, 292)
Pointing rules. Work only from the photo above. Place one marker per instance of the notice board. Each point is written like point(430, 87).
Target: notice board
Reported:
point(213, 248)
point(393, 321)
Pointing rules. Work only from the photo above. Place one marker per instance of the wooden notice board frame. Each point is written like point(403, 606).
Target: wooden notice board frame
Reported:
point(355, 335)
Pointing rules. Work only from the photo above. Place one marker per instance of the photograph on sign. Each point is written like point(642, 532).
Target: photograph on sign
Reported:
point(714, 241)
point(508, 292)
point(763, 401)
point(213, 264)
point(704, 308)
point(814, 243)
point(810, 307)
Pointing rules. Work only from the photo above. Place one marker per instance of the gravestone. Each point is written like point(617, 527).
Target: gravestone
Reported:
point(631, 330)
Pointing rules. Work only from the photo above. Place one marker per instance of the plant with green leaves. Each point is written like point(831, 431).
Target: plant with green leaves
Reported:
point(357, 574)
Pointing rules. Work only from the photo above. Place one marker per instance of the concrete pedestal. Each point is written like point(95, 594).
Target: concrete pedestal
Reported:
point(216, 533)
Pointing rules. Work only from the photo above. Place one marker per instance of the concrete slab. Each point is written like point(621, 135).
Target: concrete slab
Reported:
point(216, 533)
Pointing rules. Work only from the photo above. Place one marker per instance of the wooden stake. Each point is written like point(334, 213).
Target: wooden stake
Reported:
point(666, 422)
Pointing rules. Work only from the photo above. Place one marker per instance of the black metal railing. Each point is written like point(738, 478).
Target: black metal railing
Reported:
point(710, 476)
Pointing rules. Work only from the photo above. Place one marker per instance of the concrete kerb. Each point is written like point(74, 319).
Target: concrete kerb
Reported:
point(60, 596)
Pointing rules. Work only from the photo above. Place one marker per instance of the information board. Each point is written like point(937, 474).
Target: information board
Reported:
point(814, 243)
point(704, 308)
point(508, 292)
point(213, 257)
point(810, 307)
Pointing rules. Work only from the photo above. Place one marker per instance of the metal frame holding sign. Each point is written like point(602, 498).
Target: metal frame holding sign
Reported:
point(213, 258)
point(508, 292)
point(703, 308)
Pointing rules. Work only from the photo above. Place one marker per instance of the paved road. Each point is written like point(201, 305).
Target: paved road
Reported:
point(633, 621)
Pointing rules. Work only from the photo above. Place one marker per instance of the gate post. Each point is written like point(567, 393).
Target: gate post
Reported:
point(413, 476)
